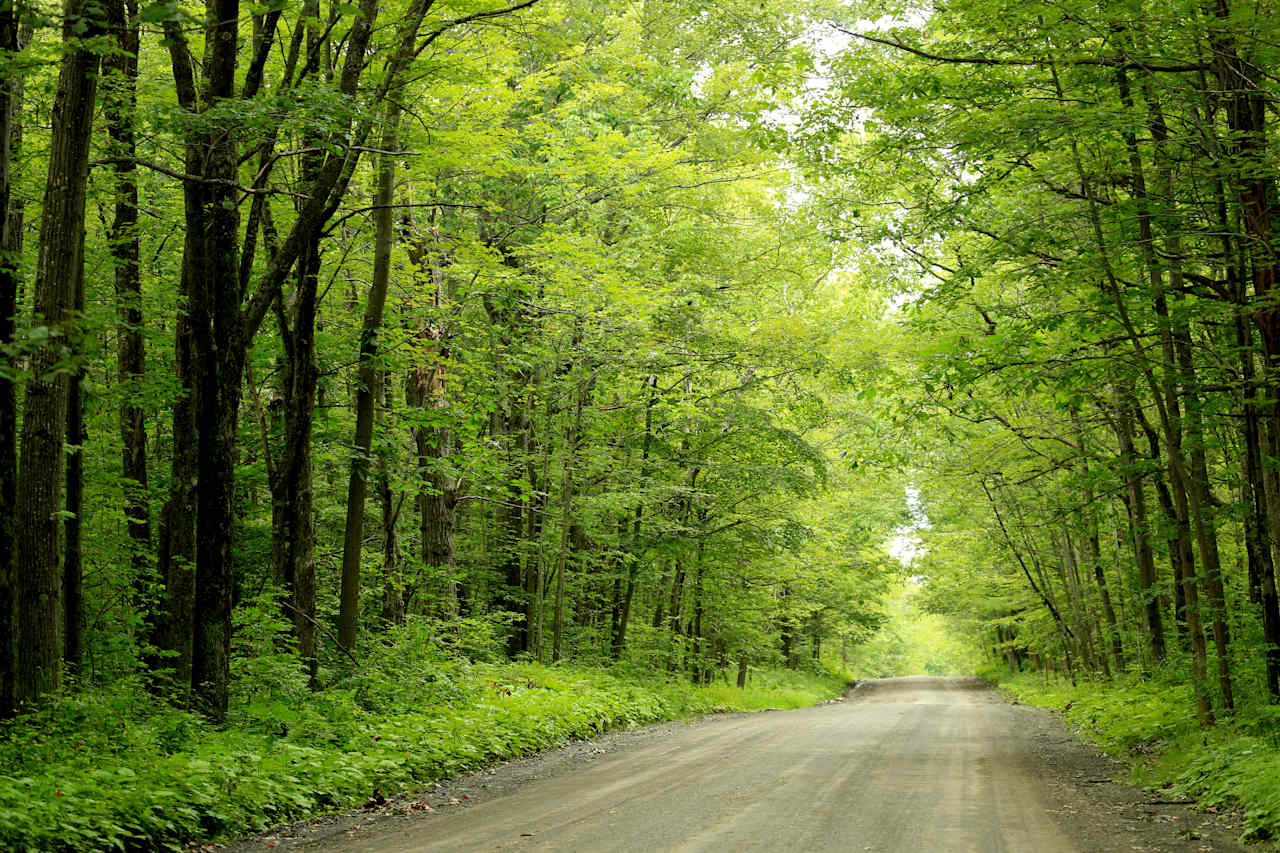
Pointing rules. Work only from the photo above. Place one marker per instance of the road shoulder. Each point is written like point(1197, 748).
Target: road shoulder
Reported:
point(1100, 813)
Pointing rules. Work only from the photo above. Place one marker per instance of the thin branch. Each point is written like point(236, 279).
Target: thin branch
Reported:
point(1100, 61)
point(346, 651)
point(467, 19)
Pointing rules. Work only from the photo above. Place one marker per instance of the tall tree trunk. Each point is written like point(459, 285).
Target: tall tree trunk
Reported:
point(1093, 557)
point(786, 631)
point(511, 529)
point(367, 384)
point(1257, 484)
point(1137, 506)
point(10, 253)
point(427, 390)
point(392, 581)
point(119, 107)
point(293, 533)
point(620, 563)
point(1270, 600)
point(218, 356)
point(508, 426)
point(573, 434)
point(176, 552)
point(1246, 115)
point(537, 574)
point(1206, 531)
point(392, 609)
point(1069, 571)
point(73, 524)
point(660, 607)
point(1185, 496)
point(619, 644)
point(59, 272)
point(293, 530)
point(1175, 536)
point(701, 672)
point(534, 501)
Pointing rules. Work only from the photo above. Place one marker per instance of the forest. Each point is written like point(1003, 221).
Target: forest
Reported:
point(391, 386)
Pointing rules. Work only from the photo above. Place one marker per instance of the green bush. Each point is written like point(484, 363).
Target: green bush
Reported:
point(1239, 771)
point(1119, 715)
point(1153, 722)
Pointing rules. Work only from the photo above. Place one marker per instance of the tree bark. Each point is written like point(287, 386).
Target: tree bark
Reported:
point(392, 582)
point(572, 437)
point(59, 270)
point(1093, 557)
point(293, 493)
point(73, 524)
point(293, 533)
point(368, 382)
point(222, 317)
point(701, 672)
point(1206, 531)
point(1257, 484)
point(392, 610)
point(511, 526)
point(219, 353)
point(1137, 505)
point(619, 644)
point(10, 276)
point(120, 81)
point(427, 390)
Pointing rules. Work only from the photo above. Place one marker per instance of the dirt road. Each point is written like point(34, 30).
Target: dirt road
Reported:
point(911, 764)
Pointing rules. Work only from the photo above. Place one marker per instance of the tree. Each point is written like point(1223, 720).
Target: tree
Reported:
point(58, 280)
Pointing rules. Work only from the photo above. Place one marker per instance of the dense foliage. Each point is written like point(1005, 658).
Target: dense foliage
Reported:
point(628, 334)
point(1077, 204)
point(352, 351)
point(507, 317)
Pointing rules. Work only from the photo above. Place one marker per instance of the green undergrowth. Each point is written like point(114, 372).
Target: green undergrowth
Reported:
point(1152, 722)
point(114, 769)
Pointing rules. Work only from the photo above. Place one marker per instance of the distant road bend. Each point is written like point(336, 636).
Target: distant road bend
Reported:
point(906, 764)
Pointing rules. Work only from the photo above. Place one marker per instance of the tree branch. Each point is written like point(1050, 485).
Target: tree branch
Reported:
point(1100, 61)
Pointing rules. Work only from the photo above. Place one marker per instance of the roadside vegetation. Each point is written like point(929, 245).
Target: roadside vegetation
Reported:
point(111, 768)
point(1151, 722)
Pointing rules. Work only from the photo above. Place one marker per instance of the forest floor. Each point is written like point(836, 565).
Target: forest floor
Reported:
point(901, 764)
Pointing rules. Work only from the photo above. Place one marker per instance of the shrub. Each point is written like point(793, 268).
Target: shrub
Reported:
point(116, 769)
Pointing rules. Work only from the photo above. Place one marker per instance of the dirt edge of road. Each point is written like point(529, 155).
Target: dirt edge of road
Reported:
point(456, 792)
point(1089, 782)
point(1080, 780)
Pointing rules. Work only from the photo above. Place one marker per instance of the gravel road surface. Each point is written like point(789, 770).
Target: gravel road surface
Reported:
point(905, 764)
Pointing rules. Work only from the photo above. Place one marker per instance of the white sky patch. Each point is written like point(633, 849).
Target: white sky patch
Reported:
point(902, 300)
point(906, 546)
point(698, 86)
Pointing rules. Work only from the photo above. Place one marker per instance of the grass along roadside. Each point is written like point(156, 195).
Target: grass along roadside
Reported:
point(118, 770)
point(1151, 723)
